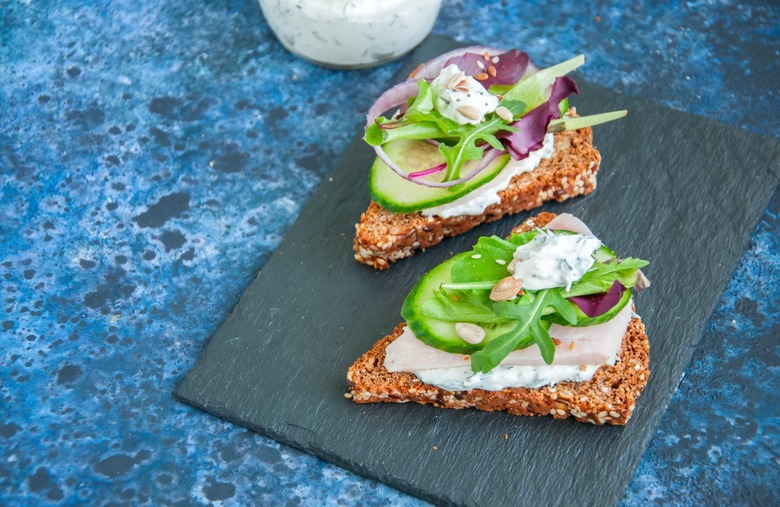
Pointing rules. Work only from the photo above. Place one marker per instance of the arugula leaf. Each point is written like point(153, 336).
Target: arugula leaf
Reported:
point(467, 148)
point(494, 255)
point(497, 349)
point(528, 311)
point(543, 340)
point(602, 275)
point(461, 306)
point(533, 313)
point(562, 306)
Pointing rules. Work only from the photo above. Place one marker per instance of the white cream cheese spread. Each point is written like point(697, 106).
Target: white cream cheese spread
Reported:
point(554, 260)
point(477, 201)
point(501, 377)
point(461, 98)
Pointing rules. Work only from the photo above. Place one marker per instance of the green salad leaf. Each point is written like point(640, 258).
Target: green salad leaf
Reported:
point(377, 136)
point(602, 275)
point(462, 306)
point(423, 102)
point(530, 329)
point(533, 89)
point(459, 144)
point(468, 145)
point(487, 263)
point(579, 122)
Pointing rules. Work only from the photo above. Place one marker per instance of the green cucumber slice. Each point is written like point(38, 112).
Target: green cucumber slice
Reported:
point(604, 254)
point(437, 333)
point(402, 196)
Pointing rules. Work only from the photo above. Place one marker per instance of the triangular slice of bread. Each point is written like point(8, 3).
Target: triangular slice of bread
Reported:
point(383, 237)
point(608, 398)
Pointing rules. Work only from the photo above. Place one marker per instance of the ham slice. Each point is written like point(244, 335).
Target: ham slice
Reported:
point(591, 345)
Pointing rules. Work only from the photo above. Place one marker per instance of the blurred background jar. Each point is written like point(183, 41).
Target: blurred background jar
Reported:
point(350, 34)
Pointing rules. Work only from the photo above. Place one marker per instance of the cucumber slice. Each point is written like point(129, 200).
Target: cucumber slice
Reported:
point(604, 254)
point(402, 196)
point(437, 333)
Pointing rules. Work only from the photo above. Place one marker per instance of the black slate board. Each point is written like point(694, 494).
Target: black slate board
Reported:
point(676, 189)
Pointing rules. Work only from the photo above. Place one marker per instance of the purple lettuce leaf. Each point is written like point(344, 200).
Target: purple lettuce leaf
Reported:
point(510, 67)
point(599, 304)
point(532, 126)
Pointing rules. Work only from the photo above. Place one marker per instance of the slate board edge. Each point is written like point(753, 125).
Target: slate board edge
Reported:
point(746, 232)
point(335, 459)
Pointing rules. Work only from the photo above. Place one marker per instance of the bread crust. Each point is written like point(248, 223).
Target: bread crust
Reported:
point(382, 237)
point(607, 398)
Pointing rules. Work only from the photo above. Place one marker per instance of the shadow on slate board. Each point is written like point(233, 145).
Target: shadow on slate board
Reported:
point(681, 191)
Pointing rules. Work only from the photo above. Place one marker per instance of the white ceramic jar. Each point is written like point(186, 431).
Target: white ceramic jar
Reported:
point(350, 33)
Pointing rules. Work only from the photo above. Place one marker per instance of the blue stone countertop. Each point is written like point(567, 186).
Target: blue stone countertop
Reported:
point(152, 156)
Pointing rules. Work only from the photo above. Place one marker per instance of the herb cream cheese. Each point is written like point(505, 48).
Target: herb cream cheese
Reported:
point(554, 260)
point(462, 98)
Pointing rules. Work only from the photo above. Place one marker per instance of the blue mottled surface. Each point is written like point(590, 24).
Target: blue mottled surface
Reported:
point(152, 155)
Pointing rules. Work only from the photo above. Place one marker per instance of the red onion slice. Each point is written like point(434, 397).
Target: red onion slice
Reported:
point(489, 156)
point(400, 93)
point(394, 97)
point(430, 170)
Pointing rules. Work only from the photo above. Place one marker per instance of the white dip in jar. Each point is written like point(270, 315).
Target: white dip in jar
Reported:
point(350, 33)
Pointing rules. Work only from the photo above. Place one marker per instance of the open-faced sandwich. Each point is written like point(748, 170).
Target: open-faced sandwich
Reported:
point(541, 323)
point(471, 136)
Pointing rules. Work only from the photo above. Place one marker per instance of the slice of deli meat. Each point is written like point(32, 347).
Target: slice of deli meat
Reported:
point(568, 222)
point(591, 345)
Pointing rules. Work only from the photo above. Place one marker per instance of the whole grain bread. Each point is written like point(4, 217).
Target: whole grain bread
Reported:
point(382, 237)
point(607, 398)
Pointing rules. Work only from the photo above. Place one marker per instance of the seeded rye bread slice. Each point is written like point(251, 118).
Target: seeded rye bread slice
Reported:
point(383, 237)
point(608, 398)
